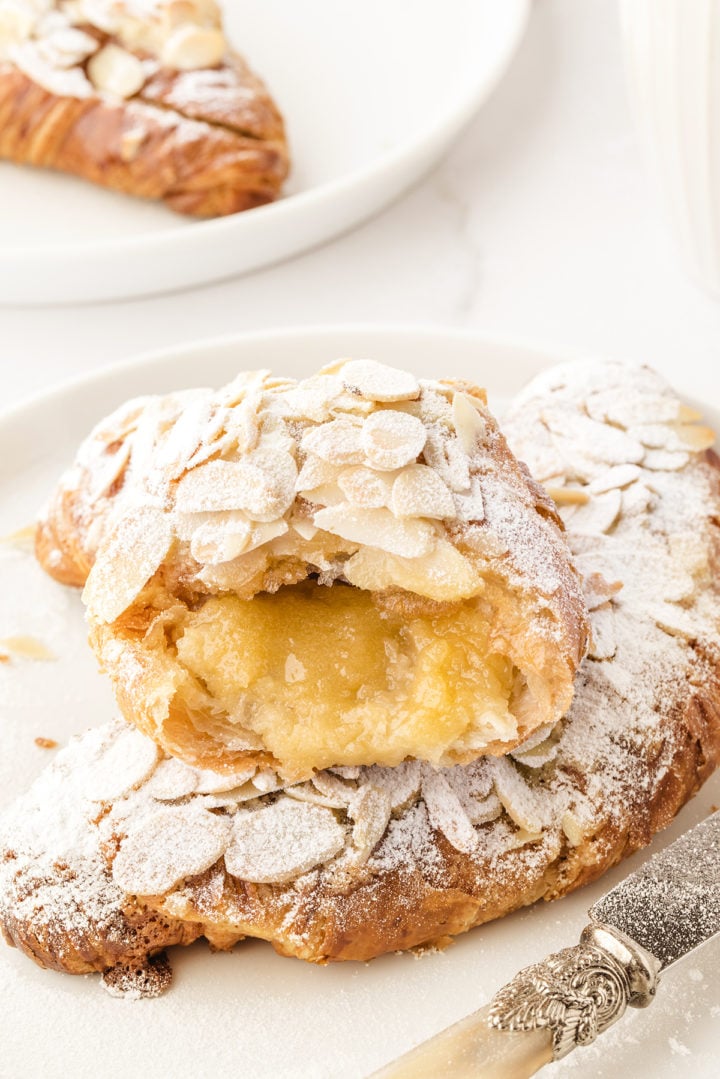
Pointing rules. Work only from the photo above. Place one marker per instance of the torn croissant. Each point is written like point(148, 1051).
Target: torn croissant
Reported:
point(117, 851)
point(146, 98)
point(348, 570)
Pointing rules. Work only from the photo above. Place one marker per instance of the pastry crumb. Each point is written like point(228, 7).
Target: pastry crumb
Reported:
point(46, 743)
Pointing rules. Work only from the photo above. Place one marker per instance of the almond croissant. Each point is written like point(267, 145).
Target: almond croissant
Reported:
point(145, 98)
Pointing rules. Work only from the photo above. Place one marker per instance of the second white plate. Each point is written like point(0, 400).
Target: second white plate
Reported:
point(373, 94)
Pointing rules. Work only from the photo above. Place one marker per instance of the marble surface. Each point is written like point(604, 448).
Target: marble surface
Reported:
point(541, 225)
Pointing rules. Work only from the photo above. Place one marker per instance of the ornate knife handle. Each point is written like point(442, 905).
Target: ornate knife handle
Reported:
point(542, 1014)
point(579, 992)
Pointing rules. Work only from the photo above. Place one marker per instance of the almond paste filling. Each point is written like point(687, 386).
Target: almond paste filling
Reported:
point(335, 676)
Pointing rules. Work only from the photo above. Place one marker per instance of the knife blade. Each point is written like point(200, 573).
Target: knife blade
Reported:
point(654, 917)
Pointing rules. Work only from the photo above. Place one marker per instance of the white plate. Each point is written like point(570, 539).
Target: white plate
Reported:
point(373, 94)
point(250, 1012)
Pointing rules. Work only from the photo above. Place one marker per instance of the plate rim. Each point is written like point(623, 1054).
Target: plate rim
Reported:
point(135, 361)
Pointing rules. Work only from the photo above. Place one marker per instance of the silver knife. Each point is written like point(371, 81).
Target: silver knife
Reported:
point(653, 918)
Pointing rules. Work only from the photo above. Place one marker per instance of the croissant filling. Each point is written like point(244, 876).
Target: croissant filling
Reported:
point(331, 675)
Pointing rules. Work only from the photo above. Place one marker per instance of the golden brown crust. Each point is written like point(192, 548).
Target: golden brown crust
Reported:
point(202, 156)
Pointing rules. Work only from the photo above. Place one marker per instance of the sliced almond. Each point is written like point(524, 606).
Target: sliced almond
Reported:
point(442, 574)
point(469, 424)
point(335, 787)
point(524, 804)
point(304, 528)
point(371, 812)
point(265, 533)
point(597, 516)
point(278, 842)
point(124, 764)
point(401, 782)
point(470, 505)
point(17, 21)
point(597, 590)
point(262, 484)
point(665, 460)
point(209, 782)
point(686, 414)
point(449, 460)
point(67, 47)
point(377, 382)
point(697, 438)
point(619, 476)
point(127, 561)
point(327, 494)
point(392, 439)
point(167, 846)
point(573, 828)
point(604, 641)
point(627, 409)
point(636, 500)
point(172, 780)
point(212, 543)
point(193, 47)
point(419, 492)
point(446, 812)
point(338, 442)
point(117, 72)
point(409, 538)
point(568, 496)
point(365, 487)
point(315, 472)
point(601, 443)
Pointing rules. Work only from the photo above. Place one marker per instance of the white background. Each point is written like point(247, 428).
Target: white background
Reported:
point(540, 225)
